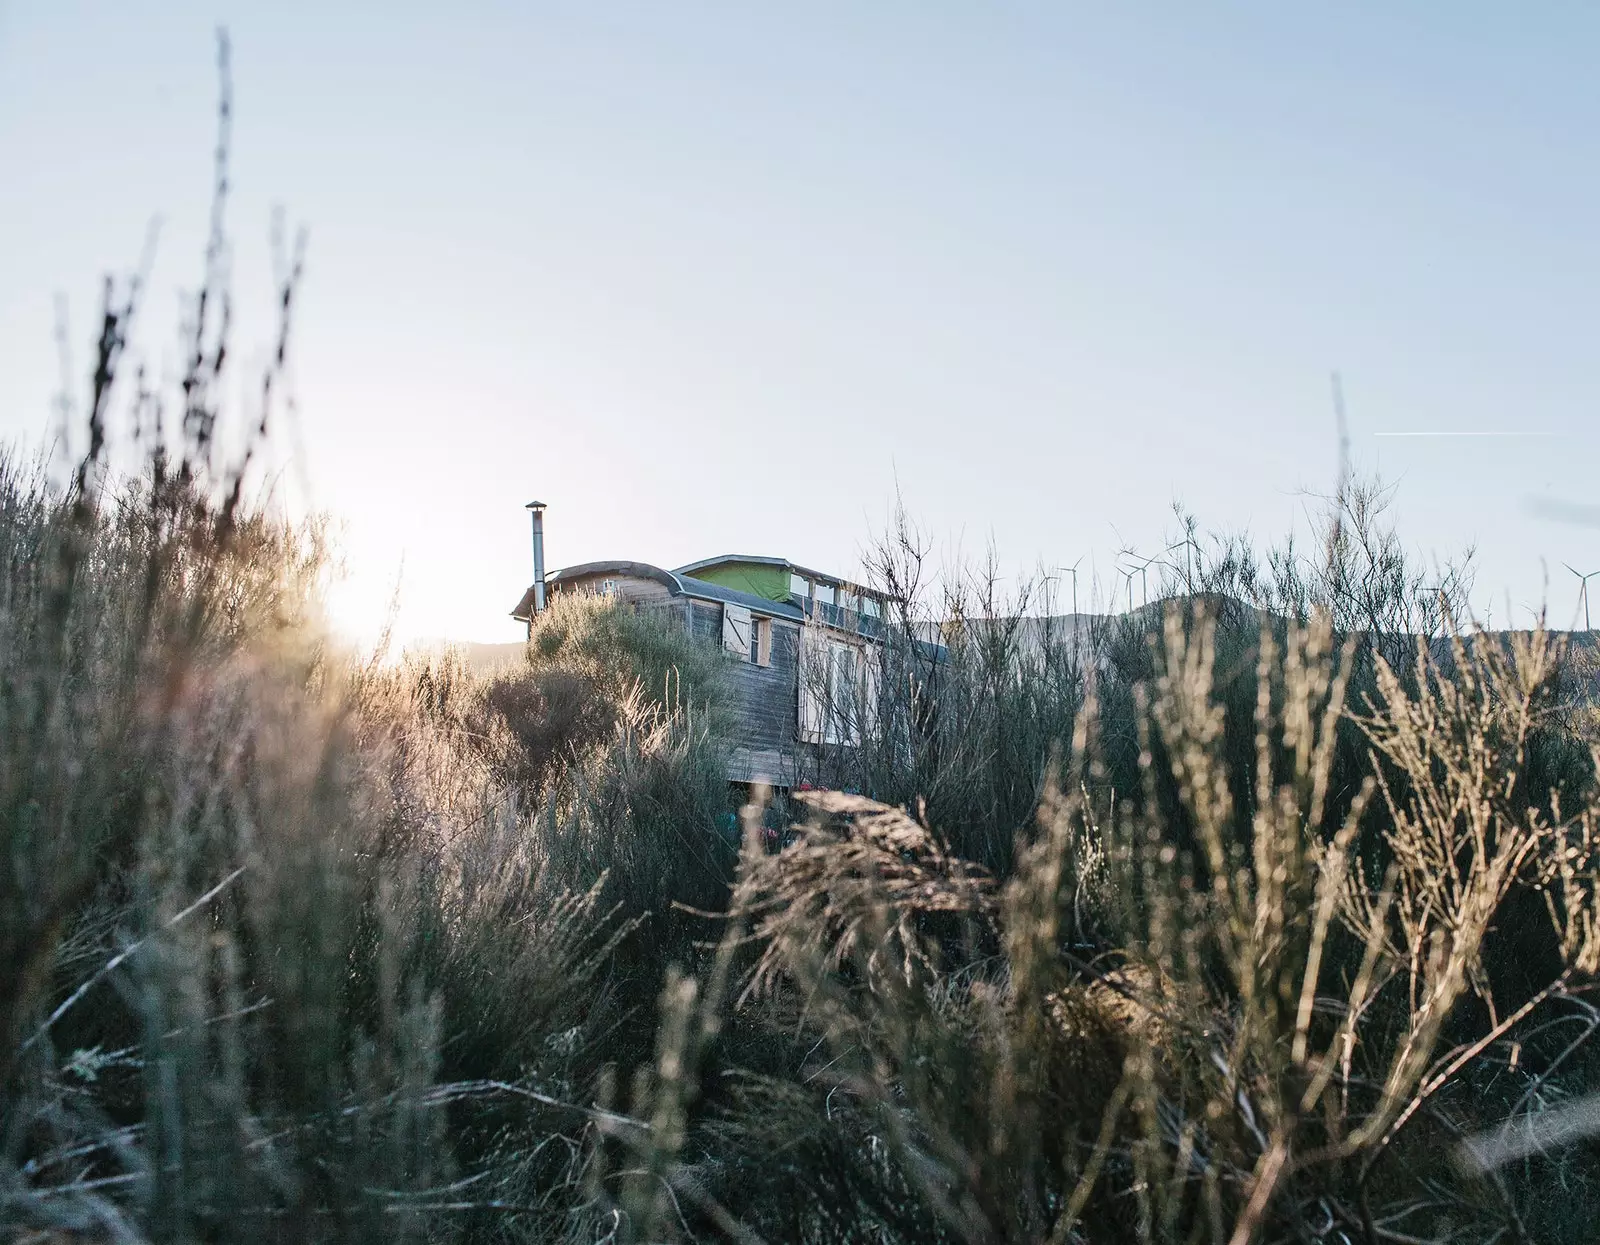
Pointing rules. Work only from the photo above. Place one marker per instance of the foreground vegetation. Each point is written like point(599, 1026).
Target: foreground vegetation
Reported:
point(1165, 934)
point(1267, 914)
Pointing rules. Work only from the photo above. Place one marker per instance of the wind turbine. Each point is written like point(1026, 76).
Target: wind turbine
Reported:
point(1073, 571)
point(1144, 570)
point(1583, 590)
point(1189, 548)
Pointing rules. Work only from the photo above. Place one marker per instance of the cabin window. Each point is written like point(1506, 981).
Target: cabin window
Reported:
point(825, 594)
point(760, 641)
point(839, 688)
point(843, 686)
point(799, 586)
point(844, 695)
point(812, 672)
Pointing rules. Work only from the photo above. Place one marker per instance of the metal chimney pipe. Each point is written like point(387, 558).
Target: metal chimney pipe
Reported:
point(536, 509)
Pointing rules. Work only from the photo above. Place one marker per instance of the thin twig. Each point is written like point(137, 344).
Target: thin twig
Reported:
point(112, 964)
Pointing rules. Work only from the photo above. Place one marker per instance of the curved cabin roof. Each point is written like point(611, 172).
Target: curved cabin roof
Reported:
point(629, 570)
point(754, 559)
point(676, 583)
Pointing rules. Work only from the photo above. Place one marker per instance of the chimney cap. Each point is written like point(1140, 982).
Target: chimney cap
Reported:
point(534, 505)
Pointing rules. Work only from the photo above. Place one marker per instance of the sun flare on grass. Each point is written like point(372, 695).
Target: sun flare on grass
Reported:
point(365, 607)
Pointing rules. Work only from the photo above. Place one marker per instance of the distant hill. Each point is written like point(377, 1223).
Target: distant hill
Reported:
point(1069, 630)
point(1081, 632)
point(480, 658)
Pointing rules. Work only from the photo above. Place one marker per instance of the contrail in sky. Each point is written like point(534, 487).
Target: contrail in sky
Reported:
point(1562, 511)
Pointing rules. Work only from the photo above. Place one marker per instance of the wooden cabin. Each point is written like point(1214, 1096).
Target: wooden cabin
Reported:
point(803, 646)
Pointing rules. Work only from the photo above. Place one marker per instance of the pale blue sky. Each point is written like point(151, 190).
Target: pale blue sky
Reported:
point(711, 278)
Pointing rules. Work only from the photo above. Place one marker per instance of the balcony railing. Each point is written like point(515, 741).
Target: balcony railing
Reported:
point(842, 617)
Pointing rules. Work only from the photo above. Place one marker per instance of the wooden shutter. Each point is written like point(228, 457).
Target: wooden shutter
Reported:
point(736, 630)
point(813, 675)
point(871, 687)
point(844, 702)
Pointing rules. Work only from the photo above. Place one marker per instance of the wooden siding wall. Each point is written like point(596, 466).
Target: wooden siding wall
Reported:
point(705, 621)
point(627, 588)
point(765, 697)
point(765, 700)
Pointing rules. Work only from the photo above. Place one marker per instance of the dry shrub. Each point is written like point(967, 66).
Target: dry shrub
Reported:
point(1264, 1040)
point(293, 966)
point(939, 1077)
point(858, 885)
point(554, 718)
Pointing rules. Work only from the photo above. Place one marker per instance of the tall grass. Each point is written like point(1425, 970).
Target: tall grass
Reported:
point(297, 946)
point(288, 951)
